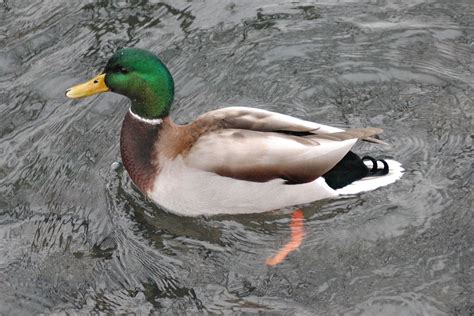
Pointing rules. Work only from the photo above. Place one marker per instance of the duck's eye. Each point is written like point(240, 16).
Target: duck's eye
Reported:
point(123, 70)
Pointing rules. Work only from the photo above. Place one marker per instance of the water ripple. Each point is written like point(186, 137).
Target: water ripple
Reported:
point(77, 236)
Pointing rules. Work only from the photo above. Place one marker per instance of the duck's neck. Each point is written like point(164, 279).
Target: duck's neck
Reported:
point(138, 140)
point(152, 101)
point(150, 107)
point(150, 121)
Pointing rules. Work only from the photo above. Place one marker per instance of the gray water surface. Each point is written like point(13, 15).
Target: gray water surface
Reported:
point(77, 237)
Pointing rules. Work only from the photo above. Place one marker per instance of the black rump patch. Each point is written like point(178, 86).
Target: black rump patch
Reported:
point(351, 168)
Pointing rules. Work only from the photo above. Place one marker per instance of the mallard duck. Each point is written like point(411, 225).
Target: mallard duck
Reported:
point(233, 160)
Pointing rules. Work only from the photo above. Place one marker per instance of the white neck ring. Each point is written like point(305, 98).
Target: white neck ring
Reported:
point(157, 121)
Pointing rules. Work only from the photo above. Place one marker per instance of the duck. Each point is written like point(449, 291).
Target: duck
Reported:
point(232, 160)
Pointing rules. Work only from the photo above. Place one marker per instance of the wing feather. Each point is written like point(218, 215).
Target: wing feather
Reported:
point(265, 121)
point(258, 145)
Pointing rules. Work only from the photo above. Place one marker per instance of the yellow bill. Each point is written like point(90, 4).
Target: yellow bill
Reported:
point(91, 87)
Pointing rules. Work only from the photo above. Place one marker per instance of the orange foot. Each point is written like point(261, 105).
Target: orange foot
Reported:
point(297, 234)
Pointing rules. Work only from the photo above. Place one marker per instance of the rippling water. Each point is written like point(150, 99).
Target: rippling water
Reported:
point(77, 237)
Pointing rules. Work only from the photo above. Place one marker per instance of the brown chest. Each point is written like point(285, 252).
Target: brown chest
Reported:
point(137, 147)
point(142, 144)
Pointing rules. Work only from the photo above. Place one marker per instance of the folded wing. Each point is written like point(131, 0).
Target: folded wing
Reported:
point(257, 145)
point(264, 121)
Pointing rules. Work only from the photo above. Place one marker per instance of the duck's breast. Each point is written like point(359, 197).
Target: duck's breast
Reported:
point(137, 148)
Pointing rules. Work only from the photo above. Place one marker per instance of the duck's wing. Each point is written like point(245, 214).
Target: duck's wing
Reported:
point(265, 121)
point(256, 145)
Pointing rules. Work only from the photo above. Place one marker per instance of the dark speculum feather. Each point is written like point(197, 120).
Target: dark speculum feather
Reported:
point(295, 133)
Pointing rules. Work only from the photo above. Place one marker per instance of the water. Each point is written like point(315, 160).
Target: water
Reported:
point(77, 237)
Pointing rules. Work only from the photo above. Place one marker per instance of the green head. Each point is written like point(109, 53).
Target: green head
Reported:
point(138, 75)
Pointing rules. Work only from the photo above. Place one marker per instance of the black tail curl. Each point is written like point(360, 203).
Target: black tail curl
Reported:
point(352, 168)
point(375, 171)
